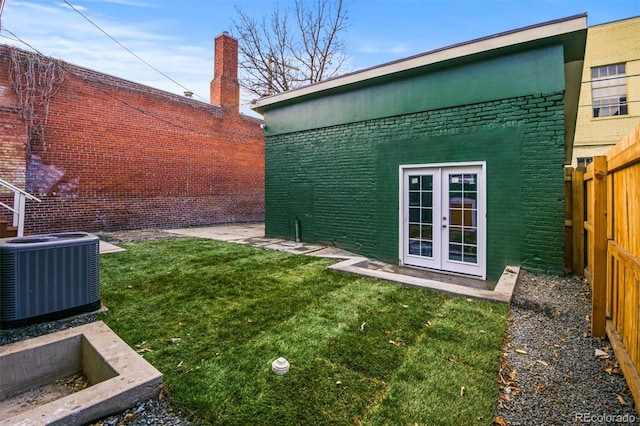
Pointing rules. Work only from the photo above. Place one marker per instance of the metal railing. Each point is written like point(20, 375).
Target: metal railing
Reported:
point(19, 204)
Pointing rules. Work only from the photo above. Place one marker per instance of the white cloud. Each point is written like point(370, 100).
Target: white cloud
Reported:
point(396, 49)
point(61, 32)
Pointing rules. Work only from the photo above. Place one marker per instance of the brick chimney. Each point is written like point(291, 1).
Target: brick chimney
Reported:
point(225, 89)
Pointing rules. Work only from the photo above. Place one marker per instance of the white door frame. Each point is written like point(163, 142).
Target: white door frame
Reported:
point(439, 262)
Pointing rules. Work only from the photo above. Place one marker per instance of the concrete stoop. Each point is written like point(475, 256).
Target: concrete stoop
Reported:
point(117, 377)
point(502, 292)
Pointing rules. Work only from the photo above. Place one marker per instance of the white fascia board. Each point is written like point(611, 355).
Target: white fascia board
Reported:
point(510, 38)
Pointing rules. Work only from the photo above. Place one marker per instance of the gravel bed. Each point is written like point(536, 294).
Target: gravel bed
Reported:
point(119, 237)
point(550, 373)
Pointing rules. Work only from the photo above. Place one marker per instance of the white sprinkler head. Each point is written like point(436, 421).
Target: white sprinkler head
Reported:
point(280, 366)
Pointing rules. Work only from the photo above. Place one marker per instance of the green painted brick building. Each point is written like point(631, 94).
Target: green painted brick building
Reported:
point(451, 160)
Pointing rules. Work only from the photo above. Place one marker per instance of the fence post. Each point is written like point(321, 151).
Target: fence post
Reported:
point(568, 221)
point(599, 272)
point(577, 199)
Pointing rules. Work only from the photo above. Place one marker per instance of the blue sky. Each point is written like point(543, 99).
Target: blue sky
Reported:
point(176, 37)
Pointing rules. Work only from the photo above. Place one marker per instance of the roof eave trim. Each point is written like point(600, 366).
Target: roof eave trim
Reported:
point(497, 41)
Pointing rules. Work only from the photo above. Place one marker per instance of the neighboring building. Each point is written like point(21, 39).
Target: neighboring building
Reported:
point(610, 94)
point(119, 155)
point(451, 160)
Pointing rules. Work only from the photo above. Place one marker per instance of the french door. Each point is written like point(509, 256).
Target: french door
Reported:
point(443, 218)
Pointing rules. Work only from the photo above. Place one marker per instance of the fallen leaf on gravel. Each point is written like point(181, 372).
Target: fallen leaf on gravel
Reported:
point(513, 375)
point(621, 400)
point(521, 352)
point(601, 354)
point(542, 362)
point(611, 368)
point(499, 421)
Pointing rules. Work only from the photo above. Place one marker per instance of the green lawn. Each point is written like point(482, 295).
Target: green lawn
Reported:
point(361, 351)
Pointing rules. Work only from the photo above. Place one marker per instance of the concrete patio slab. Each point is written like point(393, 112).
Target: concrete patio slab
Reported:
point(232, 232)
point(502, 292)
point(253, 234)
point(106, 247)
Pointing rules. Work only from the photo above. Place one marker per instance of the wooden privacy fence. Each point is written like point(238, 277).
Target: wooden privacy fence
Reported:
point(602, 221)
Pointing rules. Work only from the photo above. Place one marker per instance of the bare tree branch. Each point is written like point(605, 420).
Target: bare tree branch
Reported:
point(277, 55)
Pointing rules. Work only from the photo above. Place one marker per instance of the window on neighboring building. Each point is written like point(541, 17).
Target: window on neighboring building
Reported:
point(584, 161)
point(609, 90)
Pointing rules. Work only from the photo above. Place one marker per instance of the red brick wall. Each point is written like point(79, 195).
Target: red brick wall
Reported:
point(13, 153)
point(119, 155)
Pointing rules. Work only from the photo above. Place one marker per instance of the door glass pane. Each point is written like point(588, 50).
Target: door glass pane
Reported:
point(427, 232)
point(414, 198)
point(455, 182)
point(427, 249)
point(470, 236)
point(414, 183)
point(414, 247)
point(455, 251)
point(427, 183)
point(463, 216)
point(455, 234)
point(472, 195)
point(470, 184)
point(427, 215)
point(414, 215)
point(470, 254)
point(427, 199)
